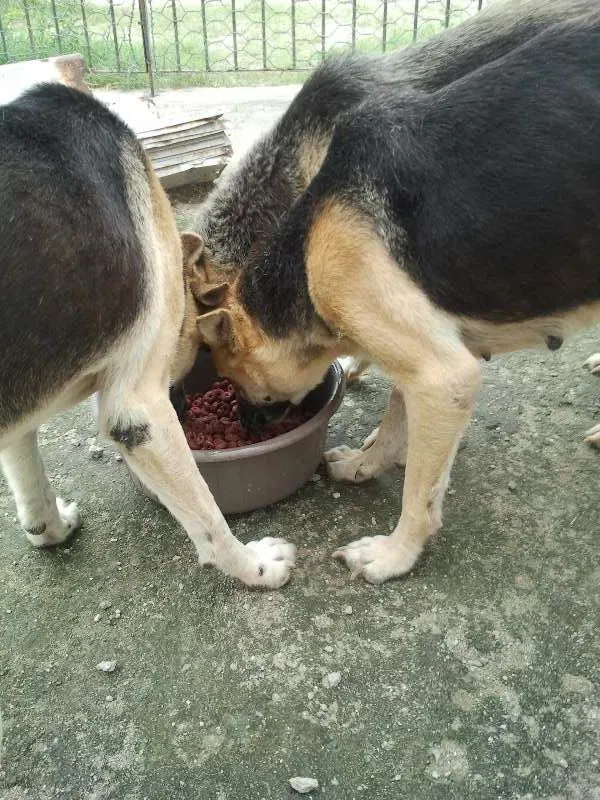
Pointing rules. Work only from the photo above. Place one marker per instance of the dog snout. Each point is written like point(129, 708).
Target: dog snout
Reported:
point(253, 417)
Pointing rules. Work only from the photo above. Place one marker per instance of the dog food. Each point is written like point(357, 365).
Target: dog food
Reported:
point(211, 420)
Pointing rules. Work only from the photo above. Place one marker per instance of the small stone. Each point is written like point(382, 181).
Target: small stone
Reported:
point(331, 680)
point(104, 605)
point(316, 478)
point(97, 618)
point(347, 610)
point(106, 666)
point(512, 486)
point(117, 613)
point(328, 648)
point(76, 443)
point(336, 495)
point(304, 785)
point(176, 558)
point(96, 452)
point(109, 698)
point(118, 458)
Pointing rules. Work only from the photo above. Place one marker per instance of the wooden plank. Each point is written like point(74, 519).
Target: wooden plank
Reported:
point(192, 136)
point(175, 128)
point(183, 159)
point(206, 173)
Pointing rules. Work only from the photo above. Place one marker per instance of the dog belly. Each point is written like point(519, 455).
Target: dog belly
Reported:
point(485, 338)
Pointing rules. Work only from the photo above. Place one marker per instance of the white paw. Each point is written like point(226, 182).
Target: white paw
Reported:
point(273, 560)
point(58, 530)
point(593, 364)
point(345, 464)
point(354, 368)
point(379, 558)
point(593, 436)
point(206, 554)
point(354, 466)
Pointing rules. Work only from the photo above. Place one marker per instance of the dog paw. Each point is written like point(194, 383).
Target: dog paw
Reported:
point(57, 531)
point(353, 466)
point(205, 553)
point(593, 364)
point(272, 563)
point(593, 436)
point(379, 558)
point(354, 368)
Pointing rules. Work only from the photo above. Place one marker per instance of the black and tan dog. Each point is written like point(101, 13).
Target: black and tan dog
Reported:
point(441, 228)
point(250, 198)
point(94, 299)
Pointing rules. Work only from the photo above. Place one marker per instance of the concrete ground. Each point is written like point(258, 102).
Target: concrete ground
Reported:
point(477, 676)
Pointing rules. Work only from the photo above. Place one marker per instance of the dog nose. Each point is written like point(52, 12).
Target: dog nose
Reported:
point(254, 417)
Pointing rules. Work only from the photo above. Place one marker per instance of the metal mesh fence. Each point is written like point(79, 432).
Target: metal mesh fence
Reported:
point(216, 36)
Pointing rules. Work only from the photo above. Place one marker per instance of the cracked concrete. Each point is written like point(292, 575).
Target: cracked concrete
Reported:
point(478, 676)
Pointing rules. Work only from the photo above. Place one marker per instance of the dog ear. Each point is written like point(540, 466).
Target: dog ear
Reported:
point(192, 247)
point(215, 327)
point(211, 295)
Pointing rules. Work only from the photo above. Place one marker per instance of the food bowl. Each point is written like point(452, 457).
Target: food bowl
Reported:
point(257, 475)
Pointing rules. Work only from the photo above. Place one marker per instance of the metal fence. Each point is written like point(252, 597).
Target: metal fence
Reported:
point(171, 37)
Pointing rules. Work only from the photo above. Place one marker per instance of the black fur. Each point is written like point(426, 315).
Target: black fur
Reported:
point(131, 435)
point(554, 342)
point(243, 210)
point(486, 191)
point(37, 531)
point(72, 268)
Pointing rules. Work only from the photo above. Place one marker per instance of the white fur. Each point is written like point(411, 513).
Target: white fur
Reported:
point(132, 385)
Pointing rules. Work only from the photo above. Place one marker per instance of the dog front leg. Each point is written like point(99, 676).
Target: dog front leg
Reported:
point(439, 402)
point(46, 519)
point(153, 444)
point(383, 447)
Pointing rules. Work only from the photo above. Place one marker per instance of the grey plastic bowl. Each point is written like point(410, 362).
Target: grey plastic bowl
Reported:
point(246, 478)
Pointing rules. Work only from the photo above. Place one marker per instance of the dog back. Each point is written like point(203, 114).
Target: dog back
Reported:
point(72, 273)
point(487, 191)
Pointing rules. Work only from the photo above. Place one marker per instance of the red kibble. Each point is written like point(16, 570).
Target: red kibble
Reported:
point(211, 421)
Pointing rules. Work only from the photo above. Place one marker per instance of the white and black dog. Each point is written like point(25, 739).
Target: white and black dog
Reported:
point(96, 298)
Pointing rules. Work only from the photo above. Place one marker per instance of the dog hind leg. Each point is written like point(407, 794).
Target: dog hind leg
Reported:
point(46, 519)
point(381, 450)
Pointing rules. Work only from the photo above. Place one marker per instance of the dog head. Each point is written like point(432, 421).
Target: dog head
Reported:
point(266, 371)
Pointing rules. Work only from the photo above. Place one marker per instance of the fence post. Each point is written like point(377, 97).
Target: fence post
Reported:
point(147, 41)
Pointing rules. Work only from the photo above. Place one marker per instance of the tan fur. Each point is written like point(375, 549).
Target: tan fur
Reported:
point(311, 155)
point(132, 383)
point(371, 306)
point(493, 337)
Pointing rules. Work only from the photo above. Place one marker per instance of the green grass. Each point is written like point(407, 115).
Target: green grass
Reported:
point(208, 53)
